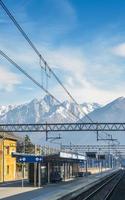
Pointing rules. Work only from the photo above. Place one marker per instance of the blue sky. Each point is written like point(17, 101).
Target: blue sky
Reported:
point(82, 40)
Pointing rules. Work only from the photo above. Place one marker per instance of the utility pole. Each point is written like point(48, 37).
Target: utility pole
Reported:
point(23, 174)
point(35, 170)
point(39, 174)
point(86, 165)
point(109, 155)
point(23, 167)
point(99, 166)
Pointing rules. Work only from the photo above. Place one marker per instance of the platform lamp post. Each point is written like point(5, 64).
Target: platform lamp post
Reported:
point(24, 153)
point(23, 164)
point(99, 159)
point(109, 154)
point(86, 165)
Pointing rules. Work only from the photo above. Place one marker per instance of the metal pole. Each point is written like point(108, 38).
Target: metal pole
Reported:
point(22, 174)
point(24, 153)
point(99, 160)
point(48, 172)
point(35, 174)
point(46, 132)
point(39, 174)
point(112, 161)
point(77, 169)
point(64, 172)
point(86, 164)
point(101, 166)
point(69, 169)
point(109, 154)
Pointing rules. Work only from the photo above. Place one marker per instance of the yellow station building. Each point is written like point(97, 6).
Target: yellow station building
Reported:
point(7, 162)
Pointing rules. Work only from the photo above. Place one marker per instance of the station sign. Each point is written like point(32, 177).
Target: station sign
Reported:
point(91, 155)
point(80, 157)
point(71, 156)
point(101, 157)
point(29, 159)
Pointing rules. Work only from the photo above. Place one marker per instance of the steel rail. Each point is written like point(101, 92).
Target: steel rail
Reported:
point(102, 186)
point(108, 196)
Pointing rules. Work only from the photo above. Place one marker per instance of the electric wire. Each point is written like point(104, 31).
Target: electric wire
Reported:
point(39, 55)
point(41, 58)
point(33, 80)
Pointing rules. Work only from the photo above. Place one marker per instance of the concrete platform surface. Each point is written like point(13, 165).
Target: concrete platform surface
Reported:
point(49, 192)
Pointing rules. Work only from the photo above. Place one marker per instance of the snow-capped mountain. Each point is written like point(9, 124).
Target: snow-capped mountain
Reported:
point(112, 112)
point(5, 109)
point(47, 109)
point(42, 110)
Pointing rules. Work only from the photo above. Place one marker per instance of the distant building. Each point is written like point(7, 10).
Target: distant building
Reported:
point(7, 162)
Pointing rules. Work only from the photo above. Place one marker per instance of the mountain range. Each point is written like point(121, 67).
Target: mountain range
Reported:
point(112, 112)
point(48, 110)
point(44, 110)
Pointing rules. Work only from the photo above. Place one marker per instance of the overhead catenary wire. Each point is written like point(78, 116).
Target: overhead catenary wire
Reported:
point(42, 59)
point(34, 81)
point(40, 56)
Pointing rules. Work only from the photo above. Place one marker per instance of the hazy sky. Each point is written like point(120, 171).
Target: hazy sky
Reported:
point(82, 40)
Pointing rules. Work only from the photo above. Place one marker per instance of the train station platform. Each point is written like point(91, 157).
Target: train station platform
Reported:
point(51, 191)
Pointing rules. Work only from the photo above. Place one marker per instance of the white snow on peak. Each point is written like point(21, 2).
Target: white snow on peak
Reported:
point(44, 109)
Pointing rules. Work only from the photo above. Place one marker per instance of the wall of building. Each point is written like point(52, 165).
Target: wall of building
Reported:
point(7, 163)
point(1, 160)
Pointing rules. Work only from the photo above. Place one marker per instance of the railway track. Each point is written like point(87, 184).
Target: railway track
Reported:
point(105, 189)
point(102, 190)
